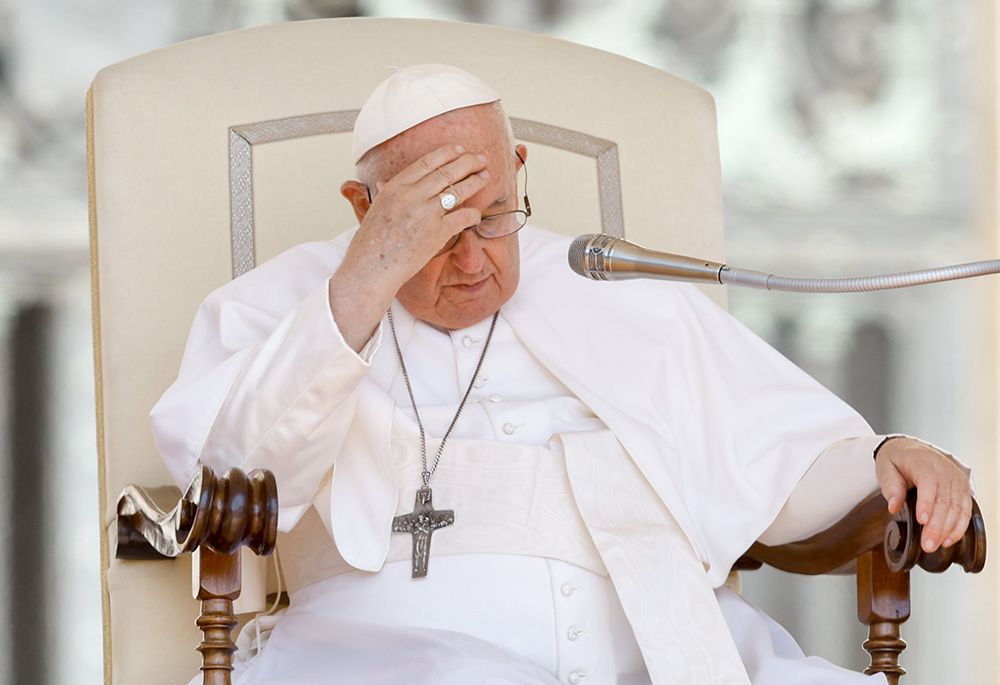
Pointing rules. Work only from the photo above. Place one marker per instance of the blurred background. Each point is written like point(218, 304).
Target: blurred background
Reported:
point(857, 136)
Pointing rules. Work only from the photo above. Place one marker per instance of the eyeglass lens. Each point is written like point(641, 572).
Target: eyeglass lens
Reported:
point(496, 226)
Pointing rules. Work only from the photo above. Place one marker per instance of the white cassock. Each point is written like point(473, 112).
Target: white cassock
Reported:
point(625, 443)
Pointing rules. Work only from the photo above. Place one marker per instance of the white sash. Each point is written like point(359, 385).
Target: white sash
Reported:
point(660, 581)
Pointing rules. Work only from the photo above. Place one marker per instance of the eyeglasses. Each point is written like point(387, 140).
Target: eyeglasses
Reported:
point(498, 225)
point(494, 226)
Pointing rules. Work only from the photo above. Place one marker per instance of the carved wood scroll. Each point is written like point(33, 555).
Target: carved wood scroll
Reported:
point(216, 516)
point(882, 547)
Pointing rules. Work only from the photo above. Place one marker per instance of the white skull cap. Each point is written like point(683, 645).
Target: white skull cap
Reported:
point(413, 95)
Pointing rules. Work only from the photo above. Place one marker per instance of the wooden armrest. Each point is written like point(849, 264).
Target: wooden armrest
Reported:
point(216, 516)
point(870, 526)
point(222, 514)
point(882, 548)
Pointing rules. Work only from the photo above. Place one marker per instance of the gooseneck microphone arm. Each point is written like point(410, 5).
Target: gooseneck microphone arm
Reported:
point(604, 258)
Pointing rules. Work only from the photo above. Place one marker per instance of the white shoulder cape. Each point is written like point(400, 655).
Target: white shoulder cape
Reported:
point(720, 424)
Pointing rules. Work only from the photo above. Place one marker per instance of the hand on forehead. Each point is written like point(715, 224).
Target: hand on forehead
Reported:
point(476, 129)
point(425, 134)
point(448, 168)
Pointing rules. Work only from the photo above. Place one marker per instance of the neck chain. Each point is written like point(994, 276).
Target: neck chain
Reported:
point(425, 519)
point(428, 472)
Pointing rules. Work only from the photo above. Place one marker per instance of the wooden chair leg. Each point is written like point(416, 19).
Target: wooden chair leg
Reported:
point(883, 604)
point(219, 586)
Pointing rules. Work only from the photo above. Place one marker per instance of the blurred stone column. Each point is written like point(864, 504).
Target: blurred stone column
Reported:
point(27, 512)
point(6, 444)
point(73, 546)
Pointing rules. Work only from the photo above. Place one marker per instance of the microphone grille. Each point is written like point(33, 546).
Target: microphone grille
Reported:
point(576, 254)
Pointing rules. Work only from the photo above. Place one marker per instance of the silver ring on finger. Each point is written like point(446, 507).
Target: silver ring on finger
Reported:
point(448, 200)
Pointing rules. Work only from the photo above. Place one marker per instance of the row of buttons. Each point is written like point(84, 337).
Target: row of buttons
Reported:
point(508, 428)
point(572, 634)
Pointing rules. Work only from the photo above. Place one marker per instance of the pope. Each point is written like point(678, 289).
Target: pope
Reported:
point(562, 522)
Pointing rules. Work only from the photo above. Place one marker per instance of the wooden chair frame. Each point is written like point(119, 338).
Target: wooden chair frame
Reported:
point(218, 516)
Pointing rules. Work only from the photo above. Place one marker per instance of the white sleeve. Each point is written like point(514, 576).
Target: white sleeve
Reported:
point(253, 386)
point(841, 477)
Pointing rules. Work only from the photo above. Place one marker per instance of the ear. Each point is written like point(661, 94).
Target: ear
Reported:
point(522, 156)
point(357, 194)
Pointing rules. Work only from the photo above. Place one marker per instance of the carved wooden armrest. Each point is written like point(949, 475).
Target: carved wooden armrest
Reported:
point(216, 516)
point(882, 548)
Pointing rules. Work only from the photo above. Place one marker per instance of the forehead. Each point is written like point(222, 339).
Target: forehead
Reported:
point(477, 128)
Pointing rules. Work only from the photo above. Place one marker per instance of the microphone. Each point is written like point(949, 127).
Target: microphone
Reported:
point(604, 258)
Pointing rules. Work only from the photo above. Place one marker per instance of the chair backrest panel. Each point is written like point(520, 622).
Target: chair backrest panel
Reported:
point(162, 183)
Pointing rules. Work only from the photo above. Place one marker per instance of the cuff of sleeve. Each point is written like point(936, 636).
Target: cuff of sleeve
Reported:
point(840, 477)
point(371, 347)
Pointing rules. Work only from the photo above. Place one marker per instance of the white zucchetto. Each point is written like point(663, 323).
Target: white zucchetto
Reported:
point(413, 95)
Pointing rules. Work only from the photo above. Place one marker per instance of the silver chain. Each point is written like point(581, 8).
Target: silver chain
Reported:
point(427, 473)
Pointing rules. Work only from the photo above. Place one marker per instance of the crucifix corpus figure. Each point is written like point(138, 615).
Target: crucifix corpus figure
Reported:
point(422, 523)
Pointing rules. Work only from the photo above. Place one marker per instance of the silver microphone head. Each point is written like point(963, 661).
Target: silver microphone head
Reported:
point(587, 255)
point(576, 254)
point(602, 257)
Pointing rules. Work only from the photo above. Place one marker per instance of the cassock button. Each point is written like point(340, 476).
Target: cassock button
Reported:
point(480, 382)
point(575, 677)
point(509, 428)
point(495, 398)
point(566, 589)
point(573, 633)
point(468, 342)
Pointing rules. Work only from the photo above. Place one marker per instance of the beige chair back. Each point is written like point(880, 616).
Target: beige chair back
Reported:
point(213, 155)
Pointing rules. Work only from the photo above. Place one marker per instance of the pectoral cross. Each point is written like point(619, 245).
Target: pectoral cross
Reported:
point(421, 524)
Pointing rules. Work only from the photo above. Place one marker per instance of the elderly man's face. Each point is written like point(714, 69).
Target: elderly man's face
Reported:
point(471, 281)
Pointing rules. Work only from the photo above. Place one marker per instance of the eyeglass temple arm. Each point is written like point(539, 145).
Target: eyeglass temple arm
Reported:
point(527, 204)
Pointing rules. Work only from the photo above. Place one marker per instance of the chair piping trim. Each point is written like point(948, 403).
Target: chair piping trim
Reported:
point(241, 203)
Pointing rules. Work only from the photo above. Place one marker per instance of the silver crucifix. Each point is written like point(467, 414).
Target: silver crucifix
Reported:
point(421, 524)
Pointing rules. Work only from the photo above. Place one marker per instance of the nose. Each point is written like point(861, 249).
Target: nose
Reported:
point(468, 254)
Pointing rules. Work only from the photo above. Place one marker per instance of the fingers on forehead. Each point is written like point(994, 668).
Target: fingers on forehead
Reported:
point(466, 188)
point(459, 170)
point(430, 162)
